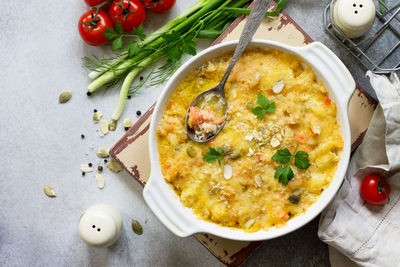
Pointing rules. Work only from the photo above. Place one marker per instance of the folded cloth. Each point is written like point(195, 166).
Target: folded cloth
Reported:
point(369, 235)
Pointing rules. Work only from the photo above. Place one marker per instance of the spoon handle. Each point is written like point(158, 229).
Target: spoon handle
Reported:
point(253, 22)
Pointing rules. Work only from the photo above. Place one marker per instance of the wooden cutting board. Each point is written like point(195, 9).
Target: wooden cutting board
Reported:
point(132, 149)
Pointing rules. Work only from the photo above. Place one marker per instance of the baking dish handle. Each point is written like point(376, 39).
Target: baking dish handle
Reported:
point(328, 63)
point(166, 211)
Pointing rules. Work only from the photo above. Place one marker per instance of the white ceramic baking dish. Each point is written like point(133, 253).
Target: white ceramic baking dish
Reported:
point(164, 202)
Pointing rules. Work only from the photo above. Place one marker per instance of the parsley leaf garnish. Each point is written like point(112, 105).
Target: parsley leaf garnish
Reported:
point(213, 155)
point(301, 160)
point(178, 46)
point(264, 106)
point(282, 156)
point(118, 33)
point(285, 173)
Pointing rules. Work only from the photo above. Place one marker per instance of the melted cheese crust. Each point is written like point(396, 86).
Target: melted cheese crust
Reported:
point(252, 199)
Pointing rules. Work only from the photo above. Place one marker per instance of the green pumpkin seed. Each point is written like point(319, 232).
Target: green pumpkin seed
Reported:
point(250, 105)
point(191, 151)
point(235, 154)
point(112, 126)
point(64, 97)
point(137, 227)
point(226, 148)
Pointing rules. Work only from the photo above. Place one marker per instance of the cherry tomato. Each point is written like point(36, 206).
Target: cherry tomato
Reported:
point(159, 6)
point(93, 3)
point(130, 13)
point(375, 189)
point(91, 27)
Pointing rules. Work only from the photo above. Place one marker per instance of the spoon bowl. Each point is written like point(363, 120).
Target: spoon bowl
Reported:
point(254, 20)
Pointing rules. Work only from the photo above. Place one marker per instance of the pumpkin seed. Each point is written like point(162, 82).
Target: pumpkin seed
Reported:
point(49, 191)
point(235, 154)
point(137, 227)
point(191, 151)
point(294, 199)
point(249, 223)
point(100, 181)
point(114, 166)
point(64, 97)
point(97, 115)
point(278, 87)
point(104, 126)
point(228, 172)
point(226, 148)
point(86, 168)
point(102, 153)
point(112, 125)
point(127, 123)
point(250, 104)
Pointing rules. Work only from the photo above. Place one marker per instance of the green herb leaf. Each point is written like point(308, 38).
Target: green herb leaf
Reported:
point(117, 44)
point(262, 101)
point(139, 32)
point(265, 106)
point(213, 155)
point(189, 47)
point(284, 174)
point(282, 156)
point(173, 53)
point(259, 112)
point(301, 160)
point(133, 48)
point(118, 28)
point(110, 33)
point(172, 36)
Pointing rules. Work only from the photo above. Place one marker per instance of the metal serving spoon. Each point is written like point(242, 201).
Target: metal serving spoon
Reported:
point(253, 22)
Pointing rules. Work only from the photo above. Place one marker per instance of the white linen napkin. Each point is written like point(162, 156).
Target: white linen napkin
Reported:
point(369, 235)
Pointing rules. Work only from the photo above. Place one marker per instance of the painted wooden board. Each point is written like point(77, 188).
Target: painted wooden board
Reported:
point(132, 149)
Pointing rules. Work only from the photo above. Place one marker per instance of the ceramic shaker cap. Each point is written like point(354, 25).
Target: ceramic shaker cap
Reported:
point(100, 225)
point(354, 17)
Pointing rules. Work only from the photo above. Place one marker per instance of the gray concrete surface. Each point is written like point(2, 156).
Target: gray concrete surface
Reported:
point(40, 143)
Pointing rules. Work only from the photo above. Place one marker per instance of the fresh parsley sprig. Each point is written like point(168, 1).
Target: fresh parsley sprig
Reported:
point(178, 46)
point(213, 154)
point(284, 173)
point(118, 33)
point(264, 106)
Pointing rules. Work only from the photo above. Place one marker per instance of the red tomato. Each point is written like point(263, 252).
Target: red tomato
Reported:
point(375, 189)
point(159, 6)
point(93, 3)
point(130, 13)
point(91, 28)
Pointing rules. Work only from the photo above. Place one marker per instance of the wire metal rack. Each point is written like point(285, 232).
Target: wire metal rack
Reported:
point(379, 49)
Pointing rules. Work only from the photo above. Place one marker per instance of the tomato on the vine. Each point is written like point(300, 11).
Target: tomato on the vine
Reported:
point(130, 14)
point(93, 3)
point(91, 26)
point(159, 6)
point(375, 189)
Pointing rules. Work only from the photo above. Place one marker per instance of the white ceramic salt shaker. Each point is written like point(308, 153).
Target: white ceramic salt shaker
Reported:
point(100, 225)
point(354, 17)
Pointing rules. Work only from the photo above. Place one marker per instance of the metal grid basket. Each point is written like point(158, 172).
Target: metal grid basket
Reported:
point(379, 49)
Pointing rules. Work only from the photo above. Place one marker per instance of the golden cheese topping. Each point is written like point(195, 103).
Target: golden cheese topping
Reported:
point(241, 191)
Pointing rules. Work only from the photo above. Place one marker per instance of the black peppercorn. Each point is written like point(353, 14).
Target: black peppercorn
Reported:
point(90, 164)
point(141, 78)
point(94, 110)
point(82, 136)
point(129, 97)
point(83, 173)
point(88, 93)
point(126, 128)
point(105, 161)
point(138, 113)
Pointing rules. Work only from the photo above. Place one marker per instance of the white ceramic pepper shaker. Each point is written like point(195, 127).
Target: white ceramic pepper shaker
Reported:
point(354, 17)
point(100, 225)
